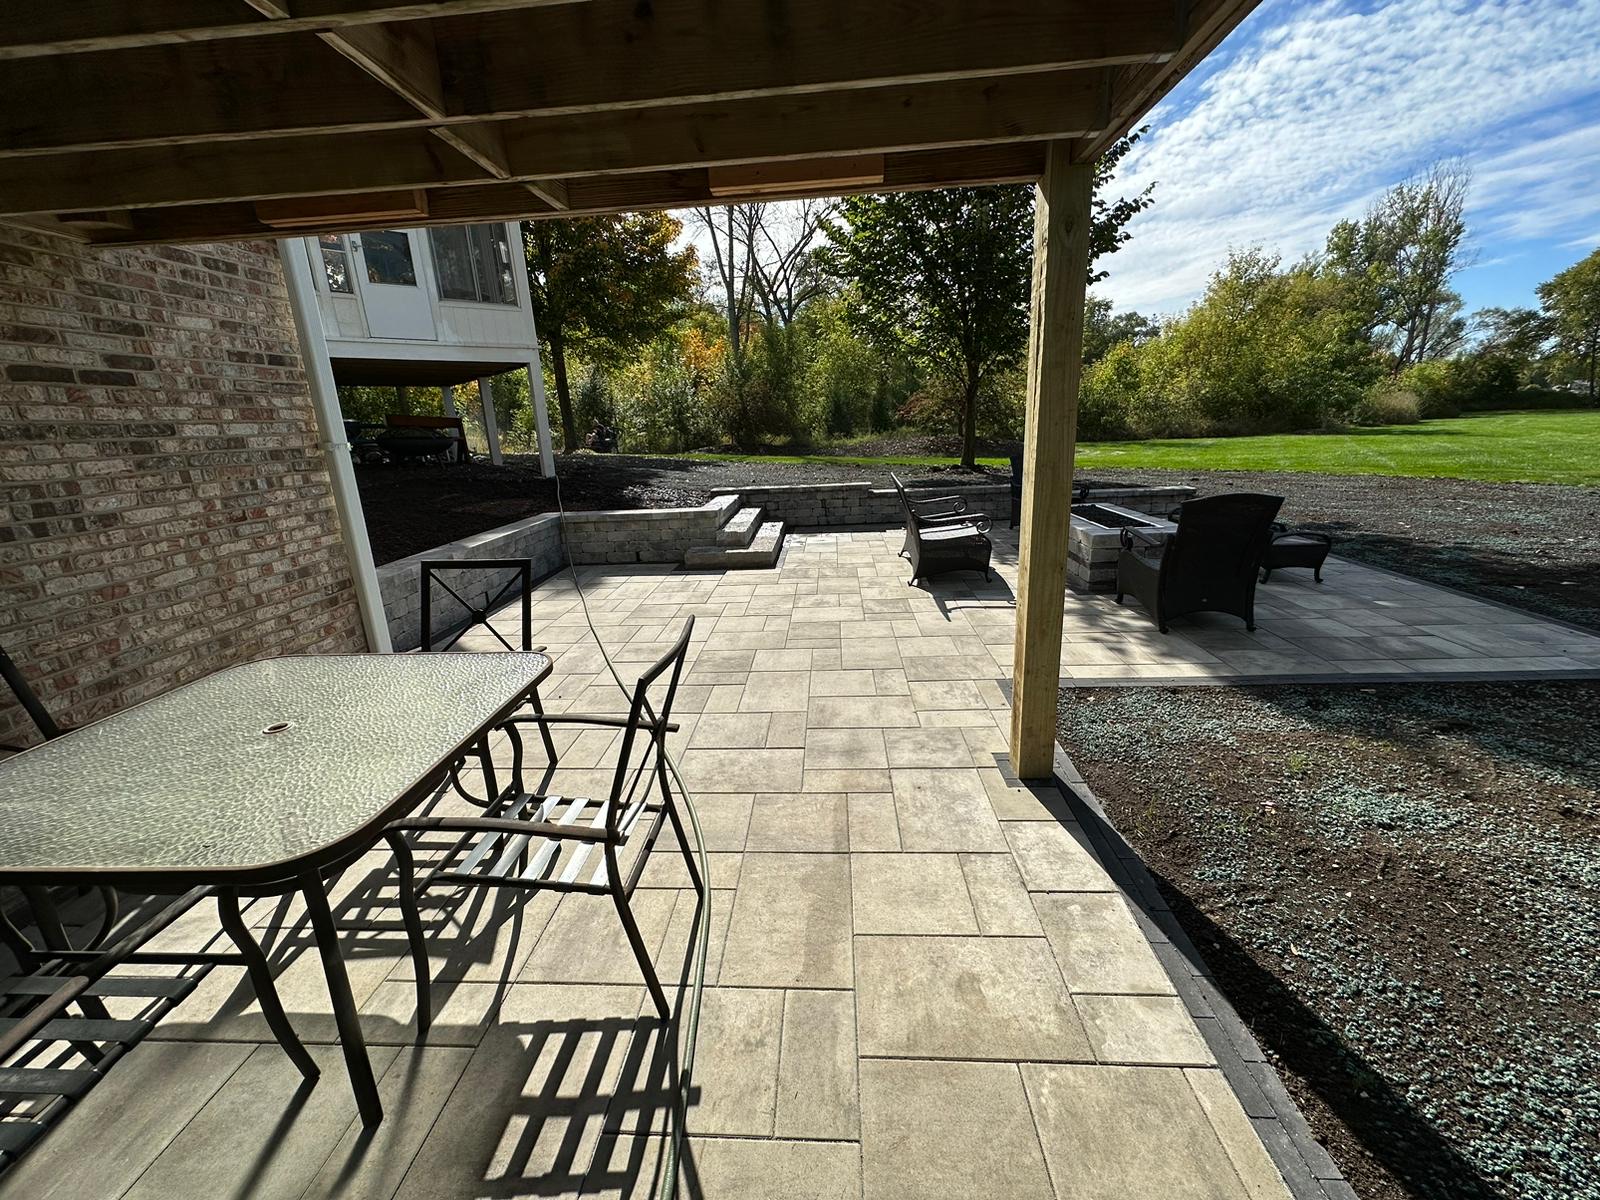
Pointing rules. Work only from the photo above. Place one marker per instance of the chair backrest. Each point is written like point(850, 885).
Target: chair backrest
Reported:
point(905, 501)
point(1016, 474)
point(1221, 538)
point(642, 710)
point(31, 704)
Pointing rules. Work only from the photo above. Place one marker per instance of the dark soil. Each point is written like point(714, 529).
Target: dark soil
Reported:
point(1398, 888)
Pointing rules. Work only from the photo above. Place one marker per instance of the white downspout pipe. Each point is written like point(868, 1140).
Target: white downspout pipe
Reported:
point(335, 447)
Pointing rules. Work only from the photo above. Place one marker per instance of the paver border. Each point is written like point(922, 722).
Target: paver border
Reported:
point(1307, 1168)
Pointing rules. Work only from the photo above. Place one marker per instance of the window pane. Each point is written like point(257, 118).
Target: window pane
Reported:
point(336, 263)
point(452, 262)
point(388, 253)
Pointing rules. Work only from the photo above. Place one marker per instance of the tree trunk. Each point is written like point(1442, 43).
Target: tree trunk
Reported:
point(558, 368)
point(969, 425)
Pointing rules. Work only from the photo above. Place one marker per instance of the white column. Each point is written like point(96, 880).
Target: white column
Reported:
point(541, 415)
point(330, 423)
point(491, 430)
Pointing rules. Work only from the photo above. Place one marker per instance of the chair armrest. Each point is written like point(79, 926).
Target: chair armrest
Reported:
point(571, 833)
point(958, 503)
point(584, 719)
point(1151, 538)
point(960, 518)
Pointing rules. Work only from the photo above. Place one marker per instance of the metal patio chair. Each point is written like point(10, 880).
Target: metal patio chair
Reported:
point(532, 841)
point(1207, 564)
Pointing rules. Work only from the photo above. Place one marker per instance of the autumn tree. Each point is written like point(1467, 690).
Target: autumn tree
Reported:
point(602, 288)
point(1572, 302)
point(943, 276)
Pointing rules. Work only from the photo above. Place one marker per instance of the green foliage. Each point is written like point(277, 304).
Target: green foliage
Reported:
point(602, 288)
point(1264, 349)
point(1386, 405)
point(940, 277)
point(1572, 302)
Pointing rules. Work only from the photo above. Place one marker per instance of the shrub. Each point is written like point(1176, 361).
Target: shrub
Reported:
point(1383, 405)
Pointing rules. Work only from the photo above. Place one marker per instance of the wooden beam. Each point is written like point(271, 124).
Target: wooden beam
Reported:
point(778, 178)
point(578, 58)
point(1137, 88)
point(771, 129)
point(1062, 218)
point(553, 192)
point(511, 201)
point(373, 207)
point(40, 28)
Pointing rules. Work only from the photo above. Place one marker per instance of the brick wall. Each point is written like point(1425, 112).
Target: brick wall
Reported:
point(168, 508)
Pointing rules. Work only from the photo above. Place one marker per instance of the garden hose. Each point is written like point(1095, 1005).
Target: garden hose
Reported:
point(690, 1024)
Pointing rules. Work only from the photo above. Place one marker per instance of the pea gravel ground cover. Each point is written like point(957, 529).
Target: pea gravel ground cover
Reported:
point(1398, 887)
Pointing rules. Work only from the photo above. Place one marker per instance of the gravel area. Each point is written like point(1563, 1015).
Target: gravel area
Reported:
point(1398, 888)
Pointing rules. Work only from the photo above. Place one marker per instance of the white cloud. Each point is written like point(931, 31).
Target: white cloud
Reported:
point(1313, 108)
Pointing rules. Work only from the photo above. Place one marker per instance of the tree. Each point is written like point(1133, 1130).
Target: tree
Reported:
point(943, 276)
point(1103, 329)
point(603, 287)
point(1396, 263)
point(1572, 302)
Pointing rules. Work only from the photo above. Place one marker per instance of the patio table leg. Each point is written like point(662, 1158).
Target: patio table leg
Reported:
point(255, 964)
point(345, 1016)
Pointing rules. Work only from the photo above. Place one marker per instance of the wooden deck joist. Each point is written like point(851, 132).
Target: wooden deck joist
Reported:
point(181, 120)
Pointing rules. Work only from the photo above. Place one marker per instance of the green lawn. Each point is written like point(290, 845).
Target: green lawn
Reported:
point(1531, 447)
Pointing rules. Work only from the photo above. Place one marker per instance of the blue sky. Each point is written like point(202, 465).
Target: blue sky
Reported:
point(1313, 107)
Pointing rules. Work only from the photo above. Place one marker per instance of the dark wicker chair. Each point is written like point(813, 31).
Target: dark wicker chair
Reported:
point(942, 536)
point(1208, 564)
point(1295, 548)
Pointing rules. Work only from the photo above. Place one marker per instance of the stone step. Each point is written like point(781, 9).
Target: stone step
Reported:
point(740, 529)
point(762, 551)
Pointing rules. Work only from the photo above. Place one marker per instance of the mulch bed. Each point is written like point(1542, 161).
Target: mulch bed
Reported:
point(1398, 887)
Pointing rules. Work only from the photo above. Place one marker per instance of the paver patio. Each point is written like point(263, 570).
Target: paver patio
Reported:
point(921, 980)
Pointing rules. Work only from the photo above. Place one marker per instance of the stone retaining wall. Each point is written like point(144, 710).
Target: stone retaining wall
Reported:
point(537, 539)
point(646, 535)
point(820, 506)
point(642, 535)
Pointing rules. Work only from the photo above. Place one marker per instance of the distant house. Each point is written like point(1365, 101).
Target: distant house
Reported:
point(429, 308)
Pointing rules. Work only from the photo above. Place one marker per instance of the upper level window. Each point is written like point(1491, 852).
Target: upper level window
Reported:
point(336, 262)
point(473, 262)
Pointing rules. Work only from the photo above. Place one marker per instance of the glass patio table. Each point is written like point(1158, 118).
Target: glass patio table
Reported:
point(258, 780)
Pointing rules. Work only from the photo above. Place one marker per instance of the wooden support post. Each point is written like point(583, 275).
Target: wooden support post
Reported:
point(491, 429)
point(1055, 361)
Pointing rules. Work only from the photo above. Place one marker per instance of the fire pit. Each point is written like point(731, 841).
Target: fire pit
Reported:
point(1094, 541)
